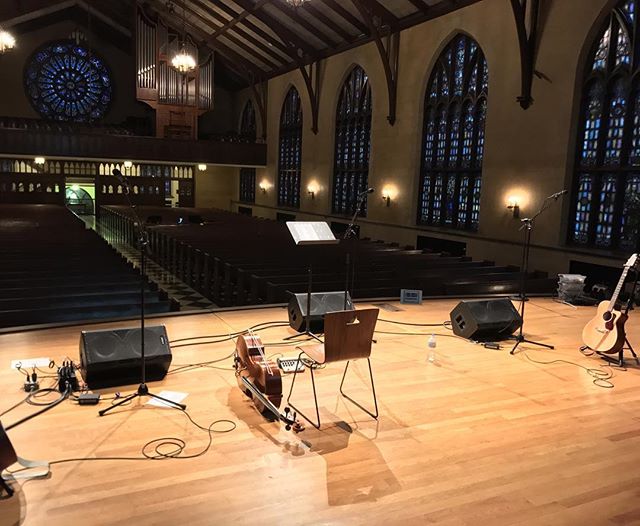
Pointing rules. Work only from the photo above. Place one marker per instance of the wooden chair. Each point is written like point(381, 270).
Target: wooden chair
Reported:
point(348, 335)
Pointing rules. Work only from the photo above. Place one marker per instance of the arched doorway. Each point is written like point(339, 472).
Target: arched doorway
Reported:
point(79, 200)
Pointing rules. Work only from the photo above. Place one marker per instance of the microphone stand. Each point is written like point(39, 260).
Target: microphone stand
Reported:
point(527, 226)
point(350, 233)
point(143, 241)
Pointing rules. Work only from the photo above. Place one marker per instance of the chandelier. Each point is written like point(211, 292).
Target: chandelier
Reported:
point(183, 61)
point(7, 41)
point(296, 3)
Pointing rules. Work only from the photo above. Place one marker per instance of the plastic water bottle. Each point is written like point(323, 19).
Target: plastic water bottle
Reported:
point(431, 356)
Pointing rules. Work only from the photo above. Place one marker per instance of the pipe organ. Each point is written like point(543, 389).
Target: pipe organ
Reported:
point(178, 99)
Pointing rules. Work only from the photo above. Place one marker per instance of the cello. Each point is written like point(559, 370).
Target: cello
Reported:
point(260, 379)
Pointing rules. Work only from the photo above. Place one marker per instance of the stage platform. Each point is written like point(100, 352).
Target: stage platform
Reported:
point(477, 437)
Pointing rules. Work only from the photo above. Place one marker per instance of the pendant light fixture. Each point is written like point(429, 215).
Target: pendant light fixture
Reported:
point(7, 41)
point(183, 61)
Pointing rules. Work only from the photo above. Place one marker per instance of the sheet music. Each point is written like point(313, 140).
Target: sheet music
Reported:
point(311, 233)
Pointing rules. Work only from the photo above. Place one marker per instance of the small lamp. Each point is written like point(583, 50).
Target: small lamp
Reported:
point(513, 204)
point(389, 192)
point(312, 188)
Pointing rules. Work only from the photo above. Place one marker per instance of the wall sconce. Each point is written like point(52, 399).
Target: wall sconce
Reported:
point(312, 188)
point(513, 204)
point(389, 192)
point(202, 167)
point(39, 160)
point(264, 186)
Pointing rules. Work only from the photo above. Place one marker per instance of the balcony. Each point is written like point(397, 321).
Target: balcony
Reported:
point(29, 142)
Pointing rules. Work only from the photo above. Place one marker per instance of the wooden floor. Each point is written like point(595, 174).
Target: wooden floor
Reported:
point(478, 437)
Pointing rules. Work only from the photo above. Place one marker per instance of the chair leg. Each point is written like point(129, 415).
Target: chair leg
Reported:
point(315, 397)
point(373, 390)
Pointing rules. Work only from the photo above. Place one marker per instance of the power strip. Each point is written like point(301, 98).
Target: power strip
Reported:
point(290, 364)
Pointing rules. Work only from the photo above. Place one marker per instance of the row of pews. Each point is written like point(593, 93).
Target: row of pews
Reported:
point(236, 260)
point(53, 270)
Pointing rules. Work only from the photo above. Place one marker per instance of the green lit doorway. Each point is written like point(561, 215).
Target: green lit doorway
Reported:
point(79, 197)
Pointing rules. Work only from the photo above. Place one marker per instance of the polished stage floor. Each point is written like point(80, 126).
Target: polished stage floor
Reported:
point(477, 437)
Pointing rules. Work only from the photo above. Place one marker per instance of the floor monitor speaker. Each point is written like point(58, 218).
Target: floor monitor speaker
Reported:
point(484, 320)
point(112, 357)
point(321, 303)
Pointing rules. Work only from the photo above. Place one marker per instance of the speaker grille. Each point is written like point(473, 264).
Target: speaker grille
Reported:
point(112, 357)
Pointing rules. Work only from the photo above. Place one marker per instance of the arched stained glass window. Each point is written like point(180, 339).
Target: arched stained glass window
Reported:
point(248, 130)
point(353, 143)
point(455, 110)
point(290, 151)
point(67, 82)
point(248, 127)
point(248, 185)
point(608, 157)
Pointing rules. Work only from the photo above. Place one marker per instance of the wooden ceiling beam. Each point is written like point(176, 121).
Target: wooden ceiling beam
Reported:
point(383, 13)
point(252, 27)
point(248, 49)
point(389, 56)
point(420, 5)
point(13, 13)
point(436, 10)
point(292, 13)
point(347, 15)
point(268, 49)
point(324, 19)
point(240, 17)
point(249, 71)
point(280, 29)
point(527, 19)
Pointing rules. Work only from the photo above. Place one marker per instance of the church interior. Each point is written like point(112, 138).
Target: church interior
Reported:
point(367, 261)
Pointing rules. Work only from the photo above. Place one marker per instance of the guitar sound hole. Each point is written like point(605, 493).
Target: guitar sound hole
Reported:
point(606, 316)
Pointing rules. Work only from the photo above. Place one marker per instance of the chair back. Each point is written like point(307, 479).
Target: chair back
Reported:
point(349, 334)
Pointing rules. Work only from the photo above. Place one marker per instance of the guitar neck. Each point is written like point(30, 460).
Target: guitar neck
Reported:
point(616, 293)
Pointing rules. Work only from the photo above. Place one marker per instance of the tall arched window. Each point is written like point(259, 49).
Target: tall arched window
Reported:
point(248, 175)
point(608, 158)
point(290, 151)
point(455, 111)
point(353, 142)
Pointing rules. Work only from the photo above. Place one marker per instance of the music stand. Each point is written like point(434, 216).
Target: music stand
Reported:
point(310, 233)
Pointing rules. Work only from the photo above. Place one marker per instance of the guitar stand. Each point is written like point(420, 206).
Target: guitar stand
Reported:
point(620, 361)
point(628, 307)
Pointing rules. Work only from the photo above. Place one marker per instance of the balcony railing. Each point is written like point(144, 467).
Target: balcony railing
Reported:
point(103, 146)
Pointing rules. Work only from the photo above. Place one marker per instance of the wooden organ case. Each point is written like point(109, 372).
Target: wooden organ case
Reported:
point(178, 99)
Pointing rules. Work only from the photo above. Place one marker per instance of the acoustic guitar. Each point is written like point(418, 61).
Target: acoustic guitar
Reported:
point(7, 457)
point(605, 332)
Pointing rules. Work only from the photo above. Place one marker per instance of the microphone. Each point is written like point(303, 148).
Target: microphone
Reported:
point(367, 191)
point(558, 194)
point(118, 174)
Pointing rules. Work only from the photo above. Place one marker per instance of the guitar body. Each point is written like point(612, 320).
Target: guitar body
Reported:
point(605, 332)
